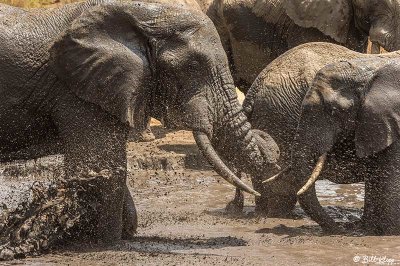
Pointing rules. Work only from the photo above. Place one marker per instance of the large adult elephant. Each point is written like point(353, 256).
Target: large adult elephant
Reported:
point(273, 104)
point(353, 102)
point(87, 72)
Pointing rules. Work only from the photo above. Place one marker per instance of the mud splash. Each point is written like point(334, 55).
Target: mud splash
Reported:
point(51, 213)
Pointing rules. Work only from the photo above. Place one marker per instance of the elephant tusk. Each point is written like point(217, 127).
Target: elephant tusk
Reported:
point(274, 177)
point(211, 155)
point(375, 48)
point(315, 174)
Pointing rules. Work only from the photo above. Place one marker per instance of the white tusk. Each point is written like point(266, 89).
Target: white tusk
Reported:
point(315, 174)
point(273, 178)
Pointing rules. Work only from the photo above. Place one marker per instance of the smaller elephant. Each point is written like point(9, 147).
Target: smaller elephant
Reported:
point(273, 104)
point(356, 104)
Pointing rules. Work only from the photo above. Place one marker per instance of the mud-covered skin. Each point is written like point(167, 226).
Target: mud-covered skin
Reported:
point(353, 101)
point(273, 104)
point(59, 80)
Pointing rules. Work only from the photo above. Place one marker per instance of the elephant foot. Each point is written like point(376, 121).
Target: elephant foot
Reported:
point(129, 217)
point(379, 227)
point(237, 204)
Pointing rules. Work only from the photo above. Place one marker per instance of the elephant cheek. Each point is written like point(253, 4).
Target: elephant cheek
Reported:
point(196, 116)
point(197, 122)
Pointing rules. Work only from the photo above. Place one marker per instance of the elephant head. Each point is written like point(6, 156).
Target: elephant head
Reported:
point(374, 18)
point(354, 101)
point(135, 58)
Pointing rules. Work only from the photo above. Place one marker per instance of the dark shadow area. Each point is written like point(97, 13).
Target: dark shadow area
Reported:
point(352, 229)
point(250, 213)
point(283, 230)
point(155, 244)
point(181, 148)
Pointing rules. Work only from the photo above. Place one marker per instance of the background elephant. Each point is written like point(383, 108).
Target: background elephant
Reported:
point(354, 102)
point(273, 104)
point(255, 32)
point(87, 72)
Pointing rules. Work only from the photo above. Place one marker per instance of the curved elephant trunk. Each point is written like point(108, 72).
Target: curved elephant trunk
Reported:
point(207, 149)
point(315, 174)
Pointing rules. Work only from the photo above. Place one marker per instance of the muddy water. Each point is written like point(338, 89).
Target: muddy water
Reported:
point(182, 221)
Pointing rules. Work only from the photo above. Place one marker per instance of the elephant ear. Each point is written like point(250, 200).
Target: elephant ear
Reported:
point(331, 17)
point(102, 58)
point(378, 123)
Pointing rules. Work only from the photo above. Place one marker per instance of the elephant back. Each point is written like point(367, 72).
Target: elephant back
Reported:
point(274, 101)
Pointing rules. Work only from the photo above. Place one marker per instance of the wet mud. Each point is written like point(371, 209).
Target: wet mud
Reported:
point(182, 219)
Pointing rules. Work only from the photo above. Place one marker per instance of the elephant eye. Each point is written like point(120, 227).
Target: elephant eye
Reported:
point(193, 64)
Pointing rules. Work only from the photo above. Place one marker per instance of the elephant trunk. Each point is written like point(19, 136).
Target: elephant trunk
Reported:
point(307, 195)
point(252, 151)
point(225, 136)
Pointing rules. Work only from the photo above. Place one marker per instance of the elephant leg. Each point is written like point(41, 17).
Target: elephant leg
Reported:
point(261, 202)
point(236, 205)
point(129, 217)
point(372, 202)
point(95, 141)
point(390, 198)
point(382, 198)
